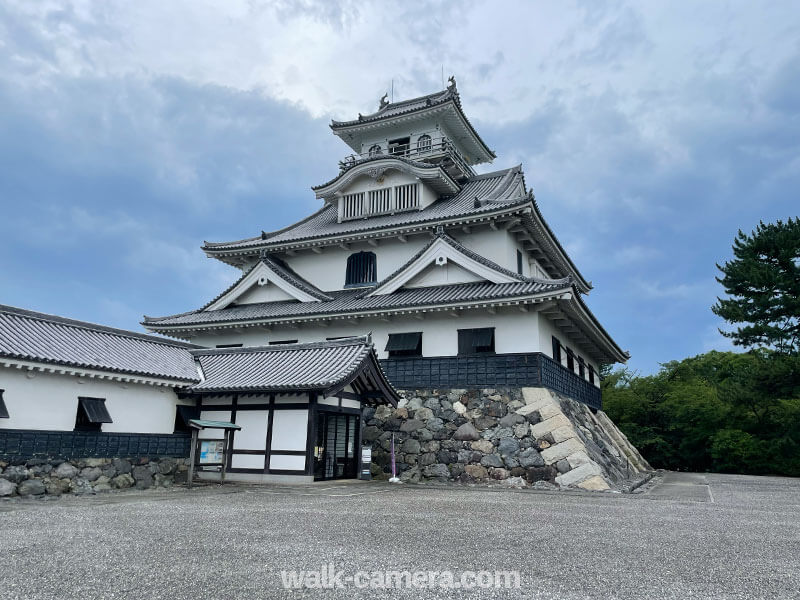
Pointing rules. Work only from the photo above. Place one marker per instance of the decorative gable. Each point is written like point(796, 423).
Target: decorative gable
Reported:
point(267, 281)
point(444, 261)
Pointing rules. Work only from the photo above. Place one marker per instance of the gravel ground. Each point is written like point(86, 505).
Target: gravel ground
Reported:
point(686, 536)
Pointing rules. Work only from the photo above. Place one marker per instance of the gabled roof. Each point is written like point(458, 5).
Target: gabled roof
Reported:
point(447, 101)
point(38, 337)
point(443, 248)
point(274, 270)
point(326, 367)
point(496, 193)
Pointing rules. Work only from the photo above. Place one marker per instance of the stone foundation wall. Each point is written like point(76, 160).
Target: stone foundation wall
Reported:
point(530, 434)
point(38, 476)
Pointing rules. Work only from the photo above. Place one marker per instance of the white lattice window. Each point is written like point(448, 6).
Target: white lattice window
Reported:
point(352, 205)
point(380, 201)
point(406, 196)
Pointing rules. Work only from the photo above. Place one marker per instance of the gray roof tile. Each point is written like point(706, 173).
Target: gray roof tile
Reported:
point(315, 366)
point(324, 224)
point(39, 337)
point(354, 301)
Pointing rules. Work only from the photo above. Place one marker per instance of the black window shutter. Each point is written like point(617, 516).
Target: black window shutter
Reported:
point(519, 262)
point(95, 410)
point(3, 409)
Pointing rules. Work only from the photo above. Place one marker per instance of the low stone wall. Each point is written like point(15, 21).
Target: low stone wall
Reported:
point(38, 476)
point(530, 434)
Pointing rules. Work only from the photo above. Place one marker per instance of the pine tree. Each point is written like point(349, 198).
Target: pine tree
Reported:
point(763, 285)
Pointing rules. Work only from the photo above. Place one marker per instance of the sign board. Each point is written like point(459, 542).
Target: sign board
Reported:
point(366, 460)
point(211, 452)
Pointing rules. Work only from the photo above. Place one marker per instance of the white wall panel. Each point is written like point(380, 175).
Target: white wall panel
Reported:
point(289, 429)
point(291, 463)
point(214, 415)
point(247, 461)
point(253, 434)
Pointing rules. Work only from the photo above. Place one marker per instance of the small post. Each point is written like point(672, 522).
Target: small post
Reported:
point(394, 468)
point(192, 452)
point(224, 456)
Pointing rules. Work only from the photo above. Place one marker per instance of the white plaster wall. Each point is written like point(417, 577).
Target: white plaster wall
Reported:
point(253, 432)
point(413, 130)
point(515, 331)
point(289, 428)
point(287, 462)
point(497, 246)
point(268, 292)
point(247, 461)
point(327, 270)
point(214, 415)
point(446, 274)
point(48, 401)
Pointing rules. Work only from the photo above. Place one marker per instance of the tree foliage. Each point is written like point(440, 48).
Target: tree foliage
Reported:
point(763, 287)
point(719, 411)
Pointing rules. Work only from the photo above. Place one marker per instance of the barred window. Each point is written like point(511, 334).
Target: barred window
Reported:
point(424, 143)
point(375, 150)
point(556, 350)
point(361, 269)
point(570, 360)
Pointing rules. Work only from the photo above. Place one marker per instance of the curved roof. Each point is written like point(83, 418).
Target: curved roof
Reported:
point(39, 337)
point(494, 191)
point(322, 366)
point(448, 99)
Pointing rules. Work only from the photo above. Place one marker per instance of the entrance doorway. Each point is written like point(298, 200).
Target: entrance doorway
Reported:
point(335, 448)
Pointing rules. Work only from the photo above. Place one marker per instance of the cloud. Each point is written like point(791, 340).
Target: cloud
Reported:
point(134, 131)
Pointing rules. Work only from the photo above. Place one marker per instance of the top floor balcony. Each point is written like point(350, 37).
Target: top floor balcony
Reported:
point(438, 151)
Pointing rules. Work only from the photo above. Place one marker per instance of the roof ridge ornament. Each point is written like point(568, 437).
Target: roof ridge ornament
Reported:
point(451, 83)
point(383, 102)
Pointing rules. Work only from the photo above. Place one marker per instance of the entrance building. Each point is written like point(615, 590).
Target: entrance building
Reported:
point(298, 406)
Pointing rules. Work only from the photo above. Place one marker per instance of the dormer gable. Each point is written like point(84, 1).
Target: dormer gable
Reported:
point(386, 185)
point(267, 281)
point(444, 262)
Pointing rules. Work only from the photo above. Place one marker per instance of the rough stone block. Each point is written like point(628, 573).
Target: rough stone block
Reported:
point(579, 474)
point(596, 483)
point(7, 488)
point(484, 446)
point(558, 451)
point(31, 487)
point(547, 425)
point(459, 408)
point(563, 433)
point(466, 432)
point(476, 471)
point(578, 458)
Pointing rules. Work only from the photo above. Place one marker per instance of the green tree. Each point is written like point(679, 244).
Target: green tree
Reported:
point(763, 285)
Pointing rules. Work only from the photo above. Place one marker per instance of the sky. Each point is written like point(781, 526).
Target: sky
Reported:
point(650, 132)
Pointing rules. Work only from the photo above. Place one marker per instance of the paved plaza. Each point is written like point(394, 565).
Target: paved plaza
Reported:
point(686, 536)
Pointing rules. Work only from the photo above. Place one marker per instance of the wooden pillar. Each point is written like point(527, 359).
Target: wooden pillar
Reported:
point(192, 452)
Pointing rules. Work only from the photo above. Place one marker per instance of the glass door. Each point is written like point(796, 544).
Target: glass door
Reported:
point(335, 449)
